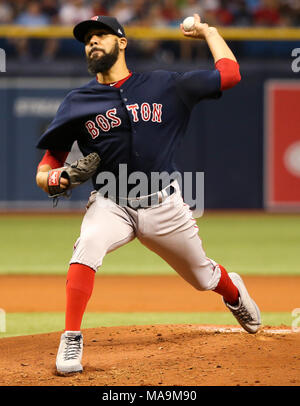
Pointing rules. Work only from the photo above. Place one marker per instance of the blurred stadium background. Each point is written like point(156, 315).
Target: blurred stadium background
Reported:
point(247, 143)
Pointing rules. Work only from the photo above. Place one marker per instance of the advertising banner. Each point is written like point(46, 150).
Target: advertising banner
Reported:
point(282, 145)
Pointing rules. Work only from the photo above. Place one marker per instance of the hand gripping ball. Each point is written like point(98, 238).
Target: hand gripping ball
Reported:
point(188, 23)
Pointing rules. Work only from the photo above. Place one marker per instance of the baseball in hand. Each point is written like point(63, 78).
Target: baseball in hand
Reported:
point(188, 23)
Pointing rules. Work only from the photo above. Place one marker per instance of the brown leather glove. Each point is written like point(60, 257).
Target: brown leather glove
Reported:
point(76, 173)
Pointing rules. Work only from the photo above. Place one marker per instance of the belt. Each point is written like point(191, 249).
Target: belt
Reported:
point(144, 202)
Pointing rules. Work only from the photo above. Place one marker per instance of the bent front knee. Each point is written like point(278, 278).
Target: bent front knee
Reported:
point(206, 279)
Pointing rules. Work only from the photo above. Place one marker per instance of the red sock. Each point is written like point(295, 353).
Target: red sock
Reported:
point(226, 288)
point(79, 287)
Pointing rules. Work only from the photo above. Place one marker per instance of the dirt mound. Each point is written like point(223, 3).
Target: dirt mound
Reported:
point(160, 355)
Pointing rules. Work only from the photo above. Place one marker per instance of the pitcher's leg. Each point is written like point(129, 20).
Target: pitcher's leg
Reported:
point(183, 251)
point(79, 288)
point(170, 231)
point(105, 227)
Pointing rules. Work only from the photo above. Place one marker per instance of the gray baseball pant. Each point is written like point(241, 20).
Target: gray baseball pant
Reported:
point(168, 229)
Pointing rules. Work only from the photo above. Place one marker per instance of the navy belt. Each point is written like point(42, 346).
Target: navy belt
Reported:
point(144, 202)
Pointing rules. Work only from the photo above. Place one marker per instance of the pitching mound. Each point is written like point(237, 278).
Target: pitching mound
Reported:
point(160, 355)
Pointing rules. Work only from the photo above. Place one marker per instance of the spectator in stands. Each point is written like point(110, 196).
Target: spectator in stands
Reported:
point(210, 8)
point(290, 12)
point(98, 8)
point(190, 49)
point(295, 6)
point(108, 4)
point(150, 49)
point(190, 7)
point(18, 6)
point(137, 12)
point(267, 14)
point(140, 10)
point(149, 13)
point(51, 9)
point(170, 12)
point(241, 13)
point(223, 14)
point(155, 16)
point(252, 5)
point(74, 11)
point(123, 12)
point(33, 16)
point(6, 12)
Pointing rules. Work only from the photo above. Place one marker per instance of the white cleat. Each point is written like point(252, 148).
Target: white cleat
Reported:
point(69, 355)
point(246, 312)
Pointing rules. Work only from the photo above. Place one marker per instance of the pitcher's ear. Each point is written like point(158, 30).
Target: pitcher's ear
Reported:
point(122, 43)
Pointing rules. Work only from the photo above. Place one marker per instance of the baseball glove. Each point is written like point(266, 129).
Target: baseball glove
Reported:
point(76, 173)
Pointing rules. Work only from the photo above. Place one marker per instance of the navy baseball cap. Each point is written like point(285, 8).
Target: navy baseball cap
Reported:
point(98, 22)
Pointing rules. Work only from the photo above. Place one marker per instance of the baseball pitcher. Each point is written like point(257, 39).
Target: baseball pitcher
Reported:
point(136, 120)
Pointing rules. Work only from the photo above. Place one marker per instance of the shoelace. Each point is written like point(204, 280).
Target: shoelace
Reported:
point(243, 314)
point(73, 347)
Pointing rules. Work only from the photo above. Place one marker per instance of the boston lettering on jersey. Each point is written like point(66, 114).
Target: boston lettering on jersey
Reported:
point(105, 122)
point(139, 124)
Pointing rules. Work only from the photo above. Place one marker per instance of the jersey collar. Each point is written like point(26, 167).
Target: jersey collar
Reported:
point(117, 84)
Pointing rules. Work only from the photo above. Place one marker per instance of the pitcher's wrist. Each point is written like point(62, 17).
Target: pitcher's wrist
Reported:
point(211, 32)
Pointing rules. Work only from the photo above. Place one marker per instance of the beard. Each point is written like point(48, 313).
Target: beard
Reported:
point(104, 62)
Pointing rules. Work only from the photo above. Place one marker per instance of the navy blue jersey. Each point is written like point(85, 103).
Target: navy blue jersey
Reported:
point(139, 124)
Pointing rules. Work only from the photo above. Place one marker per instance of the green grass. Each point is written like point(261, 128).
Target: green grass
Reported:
point(253, 244)
point(19, 324)
point(262, 244)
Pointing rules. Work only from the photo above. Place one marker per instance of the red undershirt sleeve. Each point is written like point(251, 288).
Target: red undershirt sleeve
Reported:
point(229, 72)
point(55, 159)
